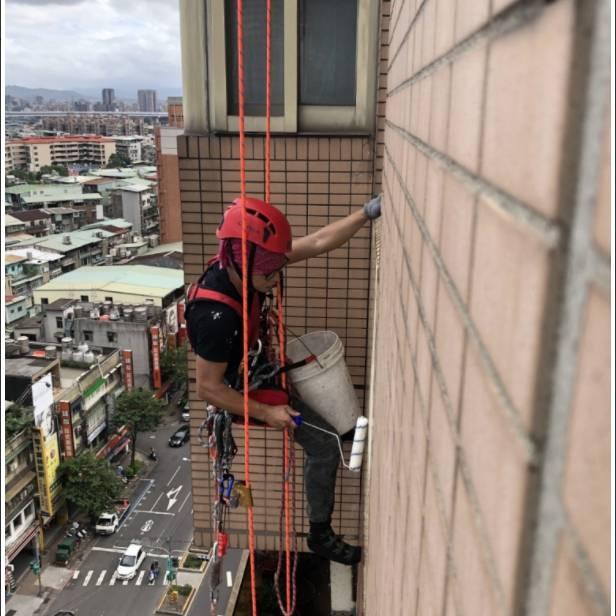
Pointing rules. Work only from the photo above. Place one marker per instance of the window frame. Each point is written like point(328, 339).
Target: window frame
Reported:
point(297, 118)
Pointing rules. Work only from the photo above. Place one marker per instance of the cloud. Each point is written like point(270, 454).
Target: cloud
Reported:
point(73, 44)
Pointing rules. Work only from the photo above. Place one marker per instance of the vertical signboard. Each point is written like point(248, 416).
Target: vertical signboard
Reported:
point(156, 375)
point(66, 427)
point(127, 369)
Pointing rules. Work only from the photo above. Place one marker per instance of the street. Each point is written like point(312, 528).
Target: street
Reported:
point(160, 520)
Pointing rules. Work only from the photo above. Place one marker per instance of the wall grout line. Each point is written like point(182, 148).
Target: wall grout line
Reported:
point(600, 270)
point(406, 35)
point(548, 231)
point(509, 410)
point(511, 18)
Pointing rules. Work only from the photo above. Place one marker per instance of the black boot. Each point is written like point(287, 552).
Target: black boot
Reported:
point(324, 542)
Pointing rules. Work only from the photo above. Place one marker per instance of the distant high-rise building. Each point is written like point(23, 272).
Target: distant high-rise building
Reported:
point(175, 112)
point(108, 99)
point(147, 100)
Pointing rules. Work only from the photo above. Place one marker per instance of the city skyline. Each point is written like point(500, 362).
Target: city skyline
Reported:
point(72, 51)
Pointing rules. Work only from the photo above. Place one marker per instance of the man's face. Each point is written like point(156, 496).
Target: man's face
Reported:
point(265, 283)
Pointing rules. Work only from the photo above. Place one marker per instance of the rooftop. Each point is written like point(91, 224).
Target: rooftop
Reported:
point(41, 198)
point(125, 172)
point(27, 366)
point(121, 223)
point(10, 221)
point(129, 279)
point(22, 189)
point(56, 243)
point(63, 139)
point(135, 188)
point(28, 215)
point(10, 259)
point(60, 304)
point(33, 254)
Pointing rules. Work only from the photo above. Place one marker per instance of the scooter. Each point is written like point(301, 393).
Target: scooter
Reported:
point(152, 455)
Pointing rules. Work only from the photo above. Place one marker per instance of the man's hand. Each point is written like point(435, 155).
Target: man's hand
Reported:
point(372, 209)
point(280, 417)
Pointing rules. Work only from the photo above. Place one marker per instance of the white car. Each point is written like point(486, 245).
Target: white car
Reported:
point(186, 412)
point(130, 562)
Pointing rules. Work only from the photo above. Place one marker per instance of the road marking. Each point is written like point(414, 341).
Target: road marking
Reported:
point(140, 578)
point(172, 495)
point(229, 579)
point(156, 501)
point(182, 505)
point(75, 574)
point(112, 581)
point(153, 512)
point(147, 526)
point(87, 578)
point(177, 470)
point(165, 580)
point(120, 550)
point(125, 583)
point(101, 577)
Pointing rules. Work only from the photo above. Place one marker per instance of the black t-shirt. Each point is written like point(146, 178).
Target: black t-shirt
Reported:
point(215, 329)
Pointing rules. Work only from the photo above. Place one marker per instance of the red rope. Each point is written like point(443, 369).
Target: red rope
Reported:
point(251, 532)
point(268, 99)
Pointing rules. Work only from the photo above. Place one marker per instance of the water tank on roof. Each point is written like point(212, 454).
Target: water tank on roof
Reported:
point(128, 314)
point(51, 352)
point(107, 304)
point(89, 357)
point(94, 313)
point(83, 347)
point(141, 313)
point(77, 356)
point(114, 314)
point(24, 344)
point(149, 306)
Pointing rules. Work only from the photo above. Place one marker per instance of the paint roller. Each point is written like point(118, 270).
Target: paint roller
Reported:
point(359, 440)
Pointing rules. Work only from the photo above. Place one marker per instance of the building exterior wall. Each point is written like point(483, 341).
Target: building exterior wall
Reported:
point(493, 327)
point(315, 180)
point(168, 174)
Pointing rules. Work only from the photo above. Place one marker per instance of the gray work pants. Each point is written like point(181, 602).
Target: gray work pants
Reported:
point(322, 458)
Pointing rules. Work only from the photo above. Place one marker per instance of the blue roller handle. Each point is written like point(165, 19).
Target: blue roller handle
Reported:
point(298, 420)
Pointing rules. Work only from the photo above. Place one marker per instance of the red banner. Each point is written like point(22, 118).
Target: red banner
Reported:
point(127, 369)
point(156, 375)
point(66, 426)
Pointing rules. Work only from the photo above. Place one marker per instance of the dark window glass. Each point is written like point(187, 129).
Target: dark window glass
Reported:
point(44, 301)
point(327, 52)
point(112, 337)
point(255, 30)
point(88, 335)
point(59, 323)
point(85, 298)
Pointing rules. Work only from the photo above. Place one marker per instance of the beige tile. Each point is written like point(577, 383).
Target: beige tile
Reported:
point(568, 597)
point(470, 16)
point(603, 217)
point(466, 107)
point(476, 593)
point(528, 84)
point(445, 19)
point(509, 286)
point(497, 471)
point(439, 116)
point(587, 483)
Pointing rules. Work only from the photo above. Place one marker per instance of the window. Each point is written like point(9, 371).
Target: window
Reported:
point(59, 323)
point(324, 64)
point(18, 521)
point(112, 337)
point(85, 298)
point(88, 335)
point(29, 510)
point(109, 299)
point(44, 301)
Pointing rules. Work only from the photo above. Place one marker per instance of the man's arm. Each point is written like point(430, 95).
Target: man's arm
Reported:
point(334, 235)
point(328, 238)
point(212, 388)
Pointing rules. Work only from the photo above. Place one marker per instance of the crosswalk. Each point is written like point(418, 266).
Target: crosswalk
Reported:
point(101, 578)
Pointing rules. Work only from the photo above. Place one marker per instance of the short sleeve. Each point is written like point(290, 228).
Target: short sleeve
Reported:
point(213, 330)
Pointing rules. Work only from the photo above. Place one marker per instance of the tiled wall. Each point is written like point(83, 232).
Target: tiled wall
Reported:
point(489, 482)
point(315, 180)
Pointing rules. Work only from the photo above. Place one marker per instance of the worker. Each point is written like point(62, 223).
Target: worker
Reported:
point(215, 333)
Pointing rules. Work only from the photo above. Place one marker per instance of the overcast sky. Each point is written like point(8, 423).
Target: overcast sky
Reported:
point(73, 44)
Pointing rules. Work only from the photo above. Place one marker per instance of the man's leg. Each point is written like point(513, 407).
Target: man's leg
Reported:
point(320, 467)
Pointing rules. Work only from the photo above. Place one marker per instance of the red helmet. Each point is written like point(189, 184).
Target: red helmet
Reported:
point(266, 225)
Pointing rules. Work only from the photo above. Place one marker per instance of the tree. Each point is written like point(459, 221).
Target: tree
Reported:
point(50, 169)
point(174, 366)
point(118, 159)
point(17, 418)
point(25, 175)
point(139, 411)
point(89, 483)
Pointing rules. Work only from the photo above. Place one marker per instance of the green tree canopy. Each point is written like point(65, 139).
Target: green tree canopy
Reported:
point(118, 159)
point(17, 418)
point(89, 483)
point(174, 366)
point(139, 411)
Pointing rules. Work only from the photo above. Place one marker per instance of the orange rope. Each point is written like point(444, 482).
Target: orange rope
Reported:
point(251, 532)
point(268, 99)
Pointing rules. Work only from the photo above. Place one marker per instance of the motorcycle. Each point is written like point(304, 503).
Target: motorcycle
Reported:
point(152, 455)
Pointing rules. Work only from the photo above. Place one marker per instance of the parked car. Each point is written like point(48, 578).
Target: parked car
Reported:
point(109, 521)
point(130, 562)
point(179, 437)
point(186, 412)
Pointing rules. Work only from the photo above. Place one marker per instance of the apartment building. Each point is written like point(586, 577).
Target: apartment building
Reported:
point(16, 307)
point(32, 153)
point(129, 146)
point(36, 222)
point(168, 183)
point(21, 520)
point(146, 100)
point(475, 317)
point(139, 206)
point(95, 124)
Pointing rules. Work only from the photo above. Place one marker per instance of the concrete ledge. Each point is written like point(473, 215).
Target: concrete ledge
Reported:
point(179, 612)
